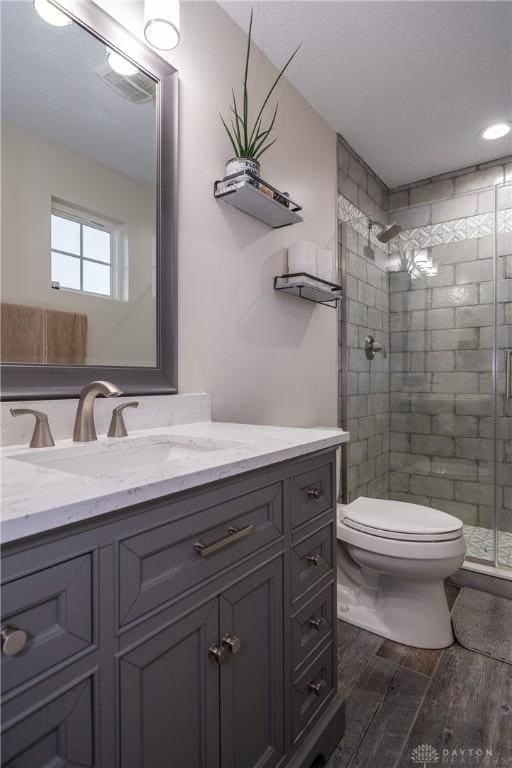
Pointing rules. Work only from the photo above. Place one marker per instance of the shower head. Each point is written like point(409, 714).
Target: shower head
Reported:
point(388, 231)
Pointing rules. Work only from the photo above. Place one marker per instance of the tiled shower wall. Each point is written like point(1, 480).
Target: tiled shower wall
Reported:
point(439, 334)
point(441, 446)
point(364, 384)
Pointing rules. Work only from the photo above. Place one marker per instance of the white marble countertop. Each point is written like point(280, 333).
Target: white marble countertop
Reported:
point(36, 498)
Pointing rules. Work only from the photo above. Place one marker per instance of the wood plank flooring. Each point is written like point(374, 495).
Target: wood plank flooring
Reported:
point(456, 701)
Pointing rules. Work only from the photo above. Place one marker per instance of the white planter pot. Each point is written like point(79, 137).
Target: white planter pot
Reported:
point(241, 164)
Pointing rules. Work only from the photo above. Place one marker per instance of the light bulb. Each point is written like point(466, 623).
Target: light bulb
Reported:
point(119, 64)
point(51, 14)
point(162, 23)
point(496, 131)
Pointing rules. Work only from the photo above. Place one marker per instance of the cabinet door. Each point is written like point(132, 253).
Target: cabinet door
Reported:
point(169, 696)
point(252, 700)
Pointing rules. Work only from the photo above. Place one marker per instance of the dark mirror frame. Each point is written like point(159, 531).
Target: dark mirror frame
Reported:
point(29, 382)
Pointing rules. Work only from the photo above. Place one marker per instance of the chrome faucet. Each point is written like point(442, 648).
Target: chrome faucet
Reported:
point(84, 429)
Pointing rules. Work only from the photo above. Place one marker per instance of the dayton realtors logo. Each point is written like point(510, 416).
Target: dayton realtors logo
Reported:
point(424, 755)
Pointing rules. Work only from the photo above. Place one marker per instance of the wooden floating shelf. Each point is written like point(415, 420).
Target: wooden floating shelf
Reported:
point(242, 191)
point(310, 288)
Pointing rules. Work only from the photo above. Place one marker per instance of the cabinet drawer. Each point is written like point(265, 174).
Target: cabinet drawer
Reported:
point(312, 624)
point(311, 560)
point(311, 690)
point(56, 732)
point(312, 493)
point(54, 608)
point(161, 564)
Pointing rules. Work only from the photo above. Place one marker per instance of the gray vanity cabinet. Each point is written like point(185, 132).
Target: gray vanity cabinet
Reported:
point(252, 680)
point(177, 700)
point(194, 631)
point(169, 696)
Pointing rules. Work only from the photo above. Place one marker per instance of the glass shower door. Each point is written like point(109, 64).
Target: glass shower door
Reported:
point(503, 374)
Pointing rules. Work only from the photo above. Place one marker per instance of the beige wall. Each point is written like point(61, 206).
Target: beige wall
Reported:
point(265, 357)
point(34, 171)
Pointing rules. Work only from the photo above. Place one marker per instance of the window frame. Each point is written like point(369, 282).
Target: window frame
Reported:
point(87, 219)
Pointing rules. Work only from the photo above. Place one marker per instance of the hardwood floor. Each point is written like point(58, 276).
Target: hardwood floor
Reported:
point(456, 702)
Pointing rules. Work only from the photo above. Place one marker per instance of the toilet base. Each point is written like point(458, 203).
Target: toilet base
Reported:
point(416, 614)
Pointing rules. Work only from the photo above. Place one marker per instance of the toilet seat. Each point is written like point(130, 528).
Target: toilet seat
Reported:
point(399, 520)
point(385, 534)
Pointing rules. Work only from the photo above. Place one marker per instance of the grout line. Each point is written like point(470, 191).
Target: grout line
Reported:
point(372, 719)
point(420, 707)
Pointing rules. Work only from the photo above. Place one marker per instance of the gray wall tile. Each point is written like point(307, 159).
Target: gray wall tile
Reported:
point(432, 191)
point(455, 296)
point(479, 179)
point(456, 208)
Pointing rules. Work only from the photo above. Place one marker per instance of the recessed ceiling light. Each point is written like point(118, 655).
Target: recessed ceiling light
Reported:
point(51, 14)
point(496, 131)
point(119, 64)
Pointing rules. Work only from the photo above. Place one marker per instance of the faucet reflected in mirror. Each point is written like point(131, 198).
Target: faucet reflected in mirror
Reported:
point(85, 429)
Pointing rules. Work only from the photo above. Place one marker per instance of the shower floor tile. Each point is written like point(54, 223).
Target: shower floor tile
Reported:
point(480, 543)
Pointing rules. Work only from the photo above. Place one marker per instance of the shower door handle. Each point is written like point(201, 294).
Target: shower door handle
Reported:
point(508, 374)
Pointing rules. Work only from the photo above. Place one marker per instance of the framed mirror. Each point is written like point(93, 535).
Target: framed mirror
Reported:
point(89, 187)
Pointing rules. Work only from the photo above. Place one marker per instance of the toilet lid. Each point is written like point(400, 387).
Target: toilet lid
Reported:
point(400, 520)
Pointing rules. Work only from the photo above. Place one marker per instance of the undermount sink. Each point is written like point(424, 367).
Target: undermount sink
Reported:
point(103, 458)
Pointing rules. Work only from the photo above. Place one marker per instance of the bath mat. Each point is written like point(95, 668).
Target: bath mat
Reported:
point(483, 623)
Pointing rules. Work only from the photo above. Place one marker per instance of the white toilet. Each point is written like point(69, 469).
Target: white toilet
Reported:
point(392, 560)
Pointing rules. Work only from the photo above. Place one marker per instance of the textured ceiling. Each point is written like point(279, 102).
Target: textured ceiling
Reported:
point(408, 84)
point(50, 87)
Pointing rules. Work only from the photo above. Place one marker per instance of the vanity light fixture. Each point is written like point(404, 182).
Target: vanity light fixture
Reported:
point(496, 131)
point(162, 23)
point(119, 64)
point(51, 14)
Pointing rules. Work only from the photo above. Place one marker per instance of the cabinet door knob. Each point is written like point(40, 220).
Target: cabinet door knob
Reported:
point(313, 493)
point(232, 643)
point(316, 688)
point(316, 623)
point(313, 559)
point(13, 640)
point(218, 653)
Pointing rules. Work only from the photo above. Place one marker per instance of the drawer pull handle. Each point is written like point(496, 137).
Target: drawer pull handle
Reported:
point(313, 493)
point(313, 559)
point(218, 653)
point(316, 623)
point(235, 534)
point(316, 688)
point(13, 640)
point(232, 643)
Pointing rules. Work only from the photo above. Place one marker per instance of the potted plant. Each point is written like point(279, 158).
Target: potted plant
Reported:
point(249, 143)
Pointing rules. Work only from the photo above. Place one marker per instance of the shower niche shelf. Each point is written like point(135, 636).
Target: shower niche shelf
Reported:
point(242, 191)
point(310, 288)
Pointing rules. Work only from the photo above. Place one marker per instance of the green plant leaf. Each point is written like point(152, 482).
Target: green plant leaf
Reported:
point(237, 141)
point(264, 149)
point(229, 134)
point(262, 137)
point(237, 116)
point(246, 73)
point(281, 73)
point(251, 146)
